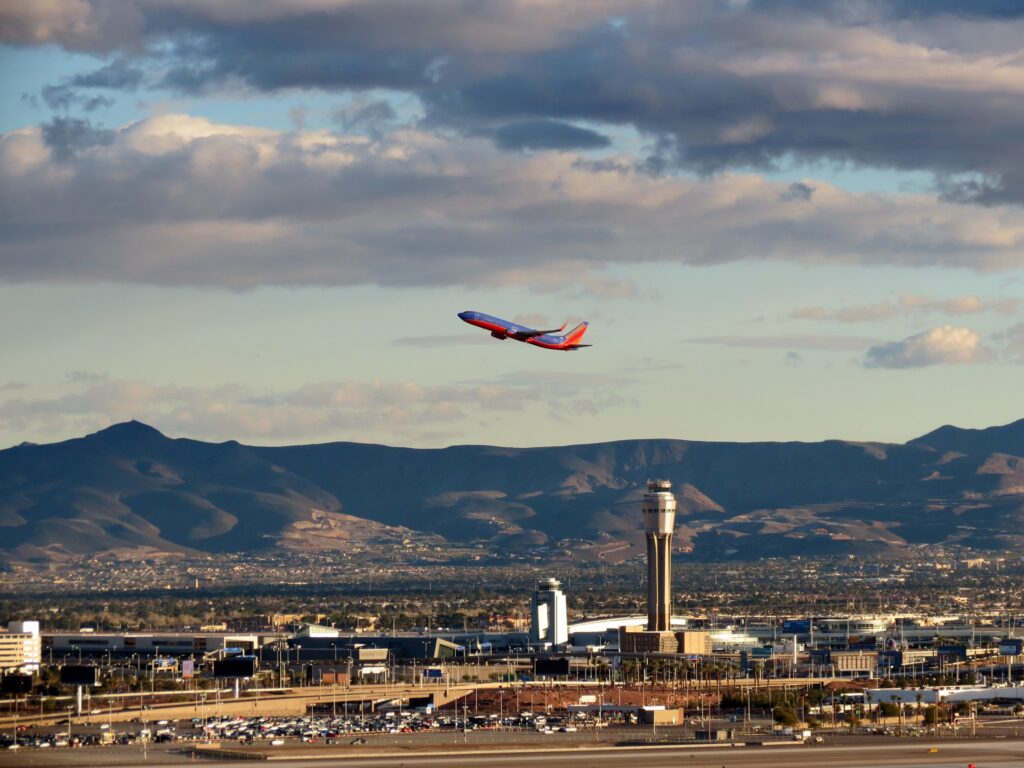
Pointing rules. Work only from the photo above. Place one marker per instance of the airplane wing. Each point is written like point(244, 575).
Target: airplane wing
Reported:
point(532, 334)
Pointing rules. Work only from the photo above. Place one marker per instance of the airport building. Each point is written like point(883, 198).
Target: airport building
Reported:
point(20, 647)
point(80, 644)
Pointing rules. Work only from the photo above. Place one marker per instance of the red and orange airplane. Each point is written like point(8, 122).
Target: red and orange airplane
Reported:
point(503, 329)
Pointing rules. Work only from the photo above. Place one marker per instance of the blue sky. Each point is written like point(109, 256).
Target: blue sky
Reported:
point(259, 223)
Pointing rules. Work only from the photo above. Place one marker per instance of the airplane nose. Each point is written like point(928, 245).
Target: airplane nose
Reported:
point(463, 315)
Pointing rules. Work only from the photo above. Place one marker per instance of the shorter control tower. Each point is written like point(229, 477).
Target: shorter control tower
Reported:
point(549, 625)
point(659, 512)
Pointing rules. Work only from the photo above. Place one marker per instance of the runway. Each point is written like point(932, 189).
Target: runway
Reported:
point(983, 753)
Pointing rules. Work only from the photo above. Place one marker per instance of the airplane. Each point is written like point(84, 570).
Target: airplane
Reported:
point(503, 329)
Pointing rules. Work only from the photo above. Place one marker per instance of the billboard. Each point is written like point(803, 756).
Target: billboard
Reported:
point(435, 672)
point(552, 667)
point(953, 651)
point(1011, 647)
point(16, 685)
point(79, 674)
point(188, 668)
point(796, 626)
point(236, 666)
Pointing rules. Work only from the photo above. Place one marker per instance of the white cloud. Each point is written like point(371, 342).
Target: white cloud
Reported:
point(909, 305)
point(942, 345)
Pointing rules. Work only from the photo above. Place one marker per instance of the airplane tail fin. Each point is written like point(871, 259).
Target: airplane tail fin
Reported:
point(572, 339)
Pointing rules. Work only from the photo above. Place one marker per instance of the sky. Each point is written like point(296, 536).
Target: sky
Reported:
point(258, 219)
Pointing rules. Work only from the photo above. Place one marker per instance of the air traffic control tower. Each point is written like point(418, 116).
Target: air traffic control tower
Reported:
point(659, 512)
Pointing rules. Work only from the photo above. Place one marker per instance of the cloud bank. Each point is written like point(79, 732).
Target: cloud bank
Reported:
point(368, 411)
point(181, 200)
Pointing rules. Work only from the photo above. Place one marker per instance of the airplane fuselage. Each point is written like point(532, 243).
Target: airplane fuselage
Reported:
point(504, 329)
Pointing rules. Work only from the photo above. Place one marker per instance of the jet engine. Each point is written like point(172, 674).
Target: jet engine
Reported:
point(500, 336)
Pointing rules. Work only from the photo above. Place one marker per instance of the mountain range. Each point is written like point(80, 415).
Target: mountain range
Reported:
point(128, 491)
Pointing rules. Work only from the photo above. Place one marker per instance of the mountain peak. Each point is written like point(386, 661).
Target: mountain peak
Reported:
point(128, 429)
point(1005, 438)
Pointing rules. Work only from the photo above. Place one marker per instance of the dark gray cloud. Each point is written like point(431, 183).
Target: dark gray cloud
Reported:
point(869, 10)
point(367, 116)
point(547, 134)
point(798, 191)
point(892, 84)
point(63, 98)
point(119, 74)
point(68, 135)
point(73, 92)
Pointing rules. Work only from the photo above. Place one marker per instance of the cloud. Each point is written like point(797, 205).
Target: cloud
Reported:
point(797, 191)
point(85, 377)
point(1012, 340)
point(405, 412)
point(66, 136)
point(890, 84)
point(367, 115)
point(910, 305)
point(942, 345)
point(548, 134)
point(117, 75)
point(442, 340)
point(13, 386)
point(810, 343)
point(63, 98)
point(181, 200)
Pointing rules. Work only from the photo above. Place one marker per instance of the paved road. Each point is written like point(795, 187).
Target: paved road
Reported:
point(984, 754)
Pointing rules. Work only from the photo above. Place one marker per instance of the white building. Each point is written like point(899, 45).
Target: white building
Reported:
point(549, 622)
point(20, 647)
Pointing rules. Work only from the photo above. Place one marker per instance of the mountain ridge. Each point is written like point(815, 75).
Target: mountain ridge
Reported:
point(129, 487)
